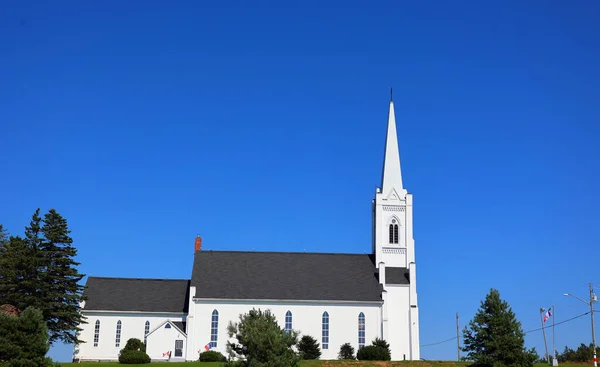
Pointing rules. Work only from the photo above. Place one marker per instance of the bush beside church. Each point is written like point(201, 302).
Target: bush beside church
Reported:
point(134, 353)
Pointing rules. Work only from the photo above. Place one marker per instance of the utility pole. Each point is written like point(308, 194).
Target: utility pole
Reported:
point(457, 337)
point(592, 300)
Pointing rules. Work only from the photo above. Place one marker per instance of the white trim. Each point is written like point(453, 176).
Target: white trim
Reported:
point(136, 312)
point(164, 322)
point(289, 301)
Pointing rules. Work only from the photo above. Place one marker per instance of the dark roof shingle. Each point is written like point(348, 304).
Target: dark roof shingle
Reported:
point(397, 276)
point(134, 294)
point(285, 276)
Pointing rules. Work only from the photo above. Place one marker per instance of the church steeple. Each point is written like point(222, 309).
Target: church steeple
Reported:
point(392, 175)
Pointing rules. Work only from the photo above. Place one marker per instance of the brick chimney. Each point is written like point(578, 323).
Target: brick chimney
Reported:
point(198, 244)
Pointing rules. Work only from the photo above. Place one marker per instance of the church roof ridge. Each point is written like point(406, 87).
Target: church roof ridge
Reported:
point(127, 278)
point(287, 252)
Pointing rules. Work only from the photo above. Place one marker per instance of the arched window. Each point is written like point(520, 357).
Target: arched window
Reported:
point(361, 330)
point(394, 231)
point(325, 332)
point(96, 333)
point(214, 329)
point(146, 331)
point(118, 336)
point(288, 322)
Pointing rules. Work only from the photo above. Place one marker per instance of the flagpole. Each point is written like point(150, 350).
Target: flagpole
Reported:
point(554, 361)
point(544, 332)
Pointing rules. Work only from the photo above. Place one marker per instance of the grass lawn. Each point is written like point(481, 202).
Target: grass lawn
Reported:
point(304, 364)
point(318, 364)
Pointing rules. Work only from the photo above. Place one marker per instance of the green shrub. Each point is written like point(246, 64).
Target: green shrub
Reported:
point(382, 343)
point(346, 351)
point(373, 353)
point(259, 341)
point(133, 357)
point(212, 356)
point(24, 339)
point(134, 344)
point(309, 348)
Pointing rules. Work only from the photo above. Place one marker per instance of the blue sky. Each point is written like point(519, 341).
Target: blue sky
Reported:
point(261, 126)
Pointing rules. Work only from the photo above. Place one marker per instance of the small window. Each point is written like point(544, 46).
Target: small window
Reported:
point(118, 336)
point(361, 330)
point(146, 331)
point(325, 331)
point(96, 333)
point(288, 322)
point(167, 326)
point(214, 329)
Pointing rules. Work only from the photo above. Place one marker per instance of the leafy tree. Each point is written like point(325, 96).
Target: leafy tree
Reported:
point(346, 352)
point(494, 337)
point(38, 270)
point(309, 348)
point(260, 342)
point(24, 340)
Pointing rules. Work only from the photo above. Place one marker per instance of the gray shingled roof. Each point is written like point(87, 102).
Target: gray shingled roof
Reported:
point(397, 276)
point(134, 294)
point(285, 276)
point(180, 325)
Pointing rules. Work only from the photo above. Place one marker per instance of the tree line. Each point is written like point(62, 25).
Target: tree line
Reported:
point(584, 353)
point(38, 270)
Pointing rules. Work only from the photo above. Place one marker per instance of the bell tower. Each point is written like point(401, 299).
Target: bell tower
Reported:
point(394, 251)
point(392, 207)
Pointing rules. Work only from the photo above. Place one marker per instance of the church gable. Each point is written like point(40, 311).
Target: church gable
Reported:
point(285, 276)
point(167, 324)
point(131, 294)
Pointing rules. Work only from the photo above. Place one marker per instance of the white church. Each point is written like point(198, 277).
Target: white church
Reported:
point(336, 298)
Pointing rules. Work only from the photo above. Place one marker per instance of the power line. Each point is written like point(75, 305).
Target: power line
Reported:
point(526, 332)
point(558, 323)
point(445, 341)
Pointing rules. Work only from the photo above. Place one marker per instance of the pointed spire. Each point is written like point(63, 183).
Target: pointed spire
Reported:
point(392, 175)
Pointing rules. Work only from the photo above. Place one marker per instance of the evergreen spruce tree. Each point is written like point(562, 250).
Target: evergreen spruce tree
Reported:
point(61, 289)
point(39, 271)
point(309, 348)
point(24, 339)
point(3, 237)
point(16, 267)
point(260, 342)
point(346, 352)
point(34, 265)
point(494, 337)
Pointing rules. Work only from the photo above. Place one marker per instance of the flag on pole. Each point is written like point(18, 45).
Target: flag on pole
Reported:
point(208, 346)
point(547, 315)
